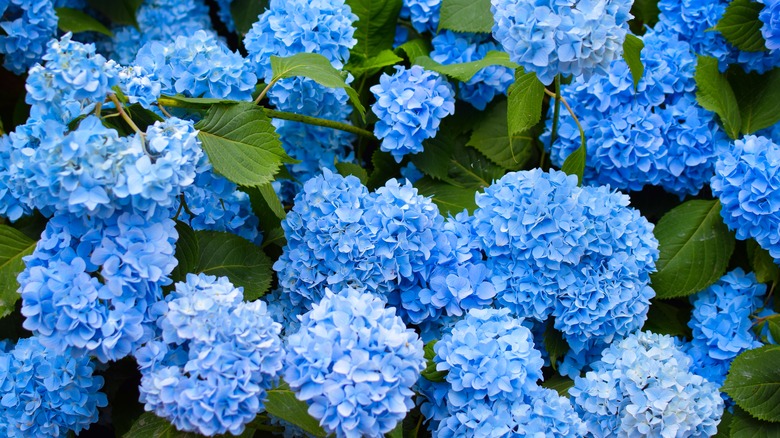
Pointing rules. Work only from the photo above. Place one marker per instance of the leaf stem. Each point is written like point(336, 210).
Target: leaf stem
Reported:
point(556, 114)
point(124, 115)
point(274, 114)
point(265, 91)
point(557, 96)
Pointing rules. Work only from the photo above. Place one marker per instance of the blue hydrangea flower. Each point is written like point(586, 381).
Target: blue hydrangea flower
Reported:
point(225, 15)
point(746, 180)
point(455, 48)
point(770, 29)
point(139, 86)
point(424, 14)
point(216, 358)
point(27, 25)
point(643, 386)
point(354, 362)
point(574, 37)
point(47, 393)
point(411, 173)
point(12, 206)
point(289, 27)
point(410, 105)
point(198, 65)
point(721, 324)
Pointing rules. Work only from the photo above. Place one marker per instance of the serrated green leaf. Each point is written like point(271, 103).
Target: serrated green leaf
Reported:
point(241, 143)
point(695, 246)
point(561, 384)
point(745, 426)
point(282, 403)
point(274, 237)
point(346, 169)
point(414, 49)
point(359, 66)
point(272, 200)
point(632, 52)
point(73, 20)
point(754, 382)
point(724, 427)
point(13, 246)
point(762, 263)
point(375, 27)
point(715, 94)
point(448, 159)
point(491, 138)
point(556, 346)
point(525, 98)
point(187, 252)
point(450, 199)
point(466, 16)
point(741, 27)
point(465, 71)
point(385, 168)
point(574, 164)
point(244, 263)
point(245, 12)
point(667, 319)
point(121, 12)
point(758, 97)
point(317, 68)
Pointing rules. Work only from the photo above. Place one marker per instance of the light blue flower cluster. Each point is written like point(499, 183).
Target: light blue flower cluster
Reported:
point(354, 362)
point(410, 105)
point(424, 14)
point(572, 37)
point(644, 386)
point(455, 48)
point(770, 17)
point(46, 393)
point(656, 135)
point(691, 21)
point(216, 358)
point(225, 15)
point(721, 324)
point(139, 86)
point(746, 180)
point(90, 283)
point(198, 65)
point(27, 26)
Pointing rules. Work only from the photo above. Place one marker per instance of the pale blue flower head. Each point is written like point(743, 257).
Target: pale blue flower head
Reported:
point(27, 26)
point(424, 14)
point(770, 19)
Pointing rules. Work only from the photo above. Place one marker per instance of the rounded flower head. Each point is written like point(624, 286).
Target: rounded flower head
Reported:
point(747, 178)
point(47, 393)
point(770, 19)
point(217, 358)
point(424, 14)
point(571, 37)
point(354, 362)
point(643, 386)
point(410, 105)
point(27, 25)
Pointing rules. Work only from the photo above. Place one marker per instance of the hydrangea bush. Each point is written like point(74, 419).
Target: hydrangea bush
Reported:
point(417, 218)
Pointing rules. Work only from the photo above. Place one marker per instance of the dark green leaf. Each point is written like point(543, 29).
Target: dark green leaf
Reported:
point(359, 66)
point(695, 247)
point(491, 138)
point(272, 200)
point(741, 27)
point(121, 12)
point(754, 382)
point(141, 116)
point(385, 168)
point(466, 16)
point(575, 162)
point(715, 94)
point(430, 372)
point(450, 199)
point(317, 68)
point(13, 246)
point(414, 49)
point(668, 319)
point(465, 71)
point(282, 403)
point(187, 252)
point(773, 323)
point(762, 263)
point(149, 425)
point(632, 51)
point(645, 13)
point(745, 426)
point(524, 102)
point(268, 216)
point(244, 263)
point(375, 28)
point(73, 20)
point(245, 13)
point(346, 169)
point(556, 346)
point(758, 97)
point(561, 384)
point(274, 237)
point(398, 432)
point(241, 143)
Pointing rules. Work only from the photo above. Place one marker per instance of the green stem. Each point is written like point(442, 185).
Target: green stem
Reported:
point(557, 96)
point(274, 114)
point(556, 113)
point(124, 115)
point(265, 91)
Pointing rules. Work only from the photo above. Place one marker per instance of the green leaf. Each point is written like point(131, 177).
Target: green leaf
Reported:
point(561, 384)
point(178, 100)
point(244, 263)
point(745, 426)
point(359, 66)
point(524, 102)
point(274, 237)
point(150, 425)
point(465, 71)
point(245, 12)
point(272, 200)
point(715, 94)
point(758, 97)
point(121, 12)
point(754, 382)
point(375, 28)
point(398, 432)
point(450, 199)
point(282, 403)
point(73, 20)
point(13, 246)
point(741, 27)
point(414, 49)
point(724, 427)
point(466, 16)
point(645, 13)
point(430, 372)
point(555, 345)
point(632, 51)
point(241, 143)
point(346, 169)
point(667, 319)
point(574, 164)
point(187, 252)
point(773, 323)
point(491, 138)
point(385, 168)
point(695, 247)
point(141, 116)
point(317, 68)
point(762, 263)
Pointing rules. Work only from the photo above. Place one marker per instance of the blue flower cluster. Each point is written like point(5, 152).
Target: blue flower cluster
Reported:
point(225, 15)
point(46, 393)
point(27, 26)
point(746, 180)
point(455, 48)
point(198, 66)
point(644, 386)
point(656, 135)
point(721, 324)
point(410, 105)
point(138, 86)
point(215, 360)
point(424, 14)
point(354, 362)
point(573, 37)
point(770, 29)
